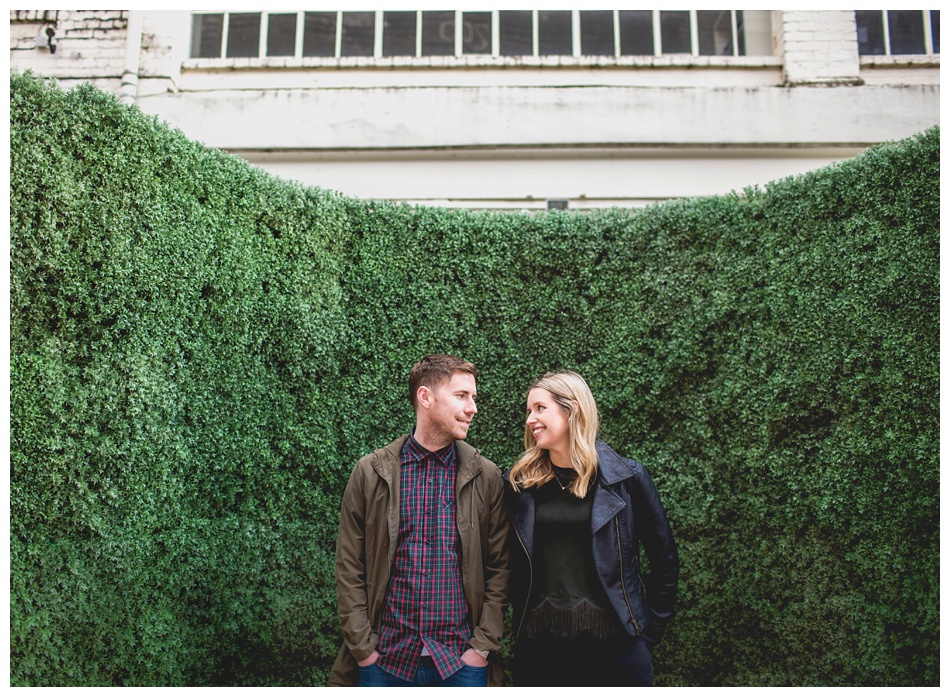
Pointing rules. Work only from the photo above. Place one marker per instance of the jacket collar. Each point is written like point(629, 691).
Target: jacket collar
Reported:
point(613, 468)
point(468, 461)
point(387, 458)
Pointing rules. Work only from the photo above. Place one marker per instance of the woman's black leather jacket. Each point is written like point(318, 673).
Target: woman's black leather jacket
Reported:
point(625, 513)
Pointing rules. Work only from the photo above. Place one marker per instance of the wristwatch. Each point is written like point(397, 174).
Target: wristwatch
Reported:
point(480, 652)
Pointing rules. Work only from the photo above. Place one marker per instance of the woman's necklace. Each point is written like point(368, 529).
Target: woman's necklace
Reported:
point(564, 487)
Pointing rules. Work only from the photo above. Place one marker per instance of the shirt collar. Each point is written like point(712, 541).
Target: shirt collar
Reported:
point(416, 452)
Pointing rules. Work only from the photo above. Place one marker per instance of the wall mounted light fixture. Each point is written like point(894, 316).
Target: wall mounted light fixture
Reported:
point(46, 40)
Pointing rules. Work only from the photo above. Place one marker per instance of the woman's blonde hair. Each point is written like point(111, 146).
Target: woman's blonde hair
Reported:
point(573, 395)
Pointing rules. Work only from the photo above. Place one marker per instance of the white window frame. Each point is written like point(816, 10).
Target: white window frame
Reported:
point(494, 55)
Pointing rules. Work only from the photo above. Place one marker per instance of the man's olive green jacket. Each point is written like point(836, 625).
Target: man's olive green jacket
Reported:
point(366, 545)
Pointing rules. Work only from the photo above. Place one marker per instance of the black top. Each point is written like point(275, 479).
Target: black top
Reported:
point(568, 598)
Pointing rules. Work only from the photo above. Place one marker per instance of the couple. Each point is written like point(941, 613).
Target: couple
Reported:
point(430, 534)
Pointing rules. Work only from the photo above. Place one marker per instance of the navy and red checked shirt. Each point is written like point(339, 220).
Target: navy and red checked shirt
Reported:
point(425, 606)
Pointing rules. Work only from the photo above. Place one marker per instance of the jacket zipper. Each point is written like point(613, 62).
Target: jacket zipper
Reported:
point(623, 584)
point(530, 577)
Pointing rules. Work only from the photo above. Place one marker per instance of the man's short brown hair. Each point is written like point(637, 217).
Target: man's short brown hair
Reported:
point(436, 370)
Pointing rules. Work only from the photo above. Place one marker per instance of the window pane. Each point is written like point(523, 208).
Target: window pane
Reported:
point(755, 32)
point(358, 33)
point(636, 33)
point(476, 32)
point(438, 33)
point(244, 35)
point(597, 33)
point(906, 28)
point(281, 34)
point(674, 31)
point(319, 34)
point(514, 33)
point(399, 33)
point(715, 32)
point(206, 32)
point(554, 33)
point(870, 32)
point(935, 26)
point(740, 38)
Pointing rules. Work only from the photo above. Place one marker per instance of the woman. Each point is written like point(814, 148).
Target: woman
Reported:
point(580, 513)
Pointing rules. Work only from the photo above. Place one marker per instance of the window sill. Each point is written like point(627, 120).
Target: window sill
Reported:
point(909, 61)
point(486, 62)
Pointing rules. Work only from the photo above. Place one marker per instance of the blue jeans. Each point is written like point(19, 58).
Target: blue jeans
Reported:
point(426, 676)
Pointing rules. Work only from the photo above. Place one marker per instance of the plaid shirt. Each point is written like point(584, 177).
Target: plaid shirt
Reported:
point(425, 606)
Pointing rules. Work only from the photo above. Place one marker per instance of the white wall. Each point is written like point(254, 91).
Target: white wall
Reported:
point(525, 179)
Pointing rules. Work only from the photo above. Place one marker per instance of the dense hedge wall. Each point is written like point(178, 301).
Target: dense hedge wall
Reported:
point(199, 353)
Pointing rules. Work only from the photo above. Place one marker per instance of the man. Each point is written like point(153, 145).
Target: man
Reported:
point(421, 556)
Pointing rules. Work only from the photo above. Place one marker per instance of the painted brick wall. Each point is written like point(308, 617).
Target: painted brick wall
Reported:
point(819, 46)
point(90, 44)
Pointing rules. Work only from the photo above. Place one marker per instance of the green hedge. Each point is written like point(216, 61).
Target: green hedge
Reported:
point(200, 351)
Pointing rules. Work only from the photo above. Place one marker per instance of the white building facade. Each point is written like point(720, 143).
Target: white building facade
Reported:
point(499, 109)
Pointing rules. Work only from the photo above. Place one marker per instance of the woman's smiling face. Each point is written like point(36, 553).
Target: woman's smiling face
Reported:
point(547, 420)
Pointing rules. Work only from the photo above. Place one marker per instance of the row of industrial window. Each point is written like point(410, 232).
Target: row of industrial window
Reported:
point(491, 33)
point(532, 33)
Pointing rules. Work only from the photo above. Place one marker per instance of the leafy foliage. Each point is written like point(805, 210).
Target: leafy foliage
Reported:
point(200, 351)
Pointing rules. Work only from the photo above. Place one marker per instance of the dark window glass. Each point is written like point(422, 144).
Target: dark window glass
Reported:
point(740, 39)
point(206, 32)
point(358, 34)
point(319, 34)
point(476, 32)
point(399, 33)
point(244, 35)
point(438, 33)
point(870, 32)
point(674, 31)
point(935, 27)
point(636, 33)
point(906, 28)
point(715, 32)
point(554, 33)
point(597, 33)
point(281, 34)
point(514, 33)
